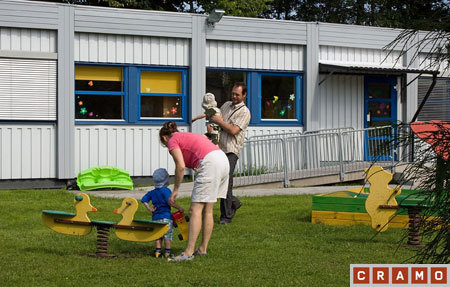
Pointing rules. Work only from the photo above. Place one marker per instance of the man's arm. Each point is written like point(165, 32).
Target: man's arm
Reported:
point(231, 129)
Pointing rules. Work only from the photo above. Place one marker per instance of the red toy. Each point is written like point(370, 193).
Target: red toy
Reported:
point(181, 221)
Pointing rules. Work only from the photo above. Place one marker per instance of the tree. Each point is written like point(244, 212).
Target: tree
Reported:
point(428, 34)
point(431, 170)
point(242, 8)
point(162, 5)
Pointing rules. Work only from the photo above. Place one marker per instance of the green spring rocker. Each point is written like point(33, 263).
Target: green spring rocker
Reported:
point(104, 177)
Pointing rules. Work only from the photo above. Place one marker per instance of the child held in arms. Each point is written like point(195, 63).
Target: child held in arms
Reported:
point(160, 209)
point(210, 106)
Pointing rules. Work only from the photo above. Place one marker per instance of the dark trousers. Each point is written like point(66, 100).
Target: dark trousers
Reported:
point(229, 204)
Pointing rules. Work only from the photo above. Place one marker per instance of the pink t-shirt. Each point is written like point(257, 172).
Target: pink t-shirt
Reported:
point(194, 147)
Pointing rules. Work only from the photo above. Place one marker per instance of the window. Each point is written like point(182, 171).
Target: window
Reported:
point(129, 94)
point(161, 94)
point(278, 97)
point(437, 106)
point(27, 89)
point(274, 98)
point(99, 93)
point(220, 83)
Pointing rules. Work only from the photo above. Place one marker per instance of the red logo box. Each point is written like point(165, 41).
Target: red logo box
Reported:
point(380, 275)
point(361, 275)
point(400, 275)
point(419, 275)
point(438, 275)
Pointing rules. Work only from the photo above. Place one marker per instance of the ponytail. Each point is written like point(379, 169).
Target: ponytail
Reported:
point(167, 129)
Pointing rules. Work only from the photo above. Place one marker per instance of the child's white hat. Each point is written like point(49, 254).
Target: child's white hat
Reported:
point(209, 101)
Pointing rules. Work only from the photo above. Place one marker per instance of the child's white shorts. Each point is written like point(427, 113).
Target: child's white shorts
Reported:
point(211, 181)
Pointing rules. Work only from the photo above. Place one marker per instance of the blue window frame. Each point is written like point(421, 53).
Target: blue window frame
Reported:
point(162, 94)
point(96, 85)
point(278, 100)
point(133, 100)
point(258, 82)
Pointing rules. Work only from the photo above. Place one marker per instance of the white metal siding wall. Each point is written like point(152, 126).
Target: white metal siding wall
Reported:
point(29, 40)
point(27, 151)
point(426, 64)
point(356, 36)
point(335, 54)
point(339, 103)
point(134, 148)
point(28, 14)
point(132, 22)
point(109, 48)
point(245, 55)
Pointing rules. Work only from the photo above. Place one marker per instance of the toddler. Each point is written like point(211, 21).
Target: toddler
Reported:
point(210, 106)
point(159, 197)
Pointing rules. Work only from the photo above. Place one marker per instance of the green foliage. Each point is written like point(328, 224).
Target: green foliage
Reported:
point(431, 173)
point(271, 242)
point(242, 8)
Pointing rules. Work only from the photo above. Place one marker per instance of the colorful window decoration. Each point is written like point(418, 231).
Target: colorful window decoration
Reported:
point(278, 97)
point(161, 94)
point(99, 93)
point(380, 109)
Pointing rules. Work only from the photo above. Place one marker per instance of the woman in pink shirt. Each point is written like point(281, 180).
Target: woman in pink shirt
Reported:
point(211, 182)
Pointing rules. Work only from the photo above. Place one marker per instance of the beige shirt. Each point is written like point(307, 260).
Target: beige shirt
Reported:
point(238, 115)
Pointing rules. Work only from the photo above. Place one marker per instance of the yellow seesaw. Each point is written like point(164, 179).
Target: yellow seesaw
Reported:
point(382, 206)
point(139, 230)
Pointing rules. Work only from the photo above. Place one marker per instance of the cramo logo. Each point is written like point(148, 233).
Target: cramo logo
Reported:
point(399, 275)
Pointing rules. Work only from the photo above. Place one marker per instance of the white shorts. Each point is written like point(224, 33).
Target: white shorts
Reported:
point(211, 181)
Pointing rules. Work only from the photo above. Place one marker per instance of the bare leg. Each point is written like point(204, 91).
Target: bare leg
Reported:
point(158, 243)
point(208, 225)
point(195, 225)
point(167, 244)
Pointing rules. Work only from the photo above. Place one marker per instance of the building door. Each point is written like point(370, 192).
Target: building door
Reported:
point(380, 107)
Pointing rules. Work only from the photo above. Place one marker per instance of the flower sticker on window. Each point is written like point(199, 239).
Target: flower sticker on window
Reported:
point(292, 97)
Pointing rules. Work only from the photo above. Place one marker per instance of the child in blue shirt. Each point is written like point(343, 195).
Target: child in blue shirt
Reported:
point(159, 197)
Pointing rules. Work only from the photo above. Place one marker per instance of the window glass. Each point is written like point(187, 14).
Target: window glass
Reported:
point(153, 84)
point(160, 82)
point(161, 107)
point(380, 109)
point(220, 83)
point(98, 93)
point(278, 97)
point(97, 107)
point(379, 90)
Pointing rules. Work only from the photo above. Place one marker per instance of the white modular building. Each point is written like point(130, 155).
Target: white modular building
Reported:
point(84, 86)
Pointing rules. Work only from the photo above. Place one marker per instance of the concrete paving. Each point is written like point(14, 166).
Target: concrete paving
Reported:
point(186, 190)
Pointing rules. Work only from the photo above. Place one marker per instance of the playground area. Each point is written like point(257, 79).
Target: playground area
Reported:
point(271, 243)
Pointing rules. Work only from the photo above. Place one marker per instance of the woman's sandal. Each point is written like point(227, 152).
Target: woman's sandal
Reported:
point(182, 257)
point(198, 253)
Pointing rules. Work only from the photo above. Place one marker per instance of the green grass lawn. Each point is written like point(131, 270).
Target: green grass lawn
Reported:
point(271, 242)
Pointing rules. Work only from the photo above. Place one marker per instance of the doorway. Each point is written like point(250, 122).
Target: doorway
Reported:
point(380, 108)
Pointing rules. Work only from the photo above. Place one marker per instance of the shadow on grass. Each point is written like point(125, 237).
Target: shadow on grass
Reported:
point(305, 217)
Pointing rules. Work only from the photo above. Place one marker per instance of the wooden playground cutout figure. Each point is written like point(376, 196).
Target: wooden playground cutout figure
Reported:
point(380, 194)
point(127, 210)
point(58, 221)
